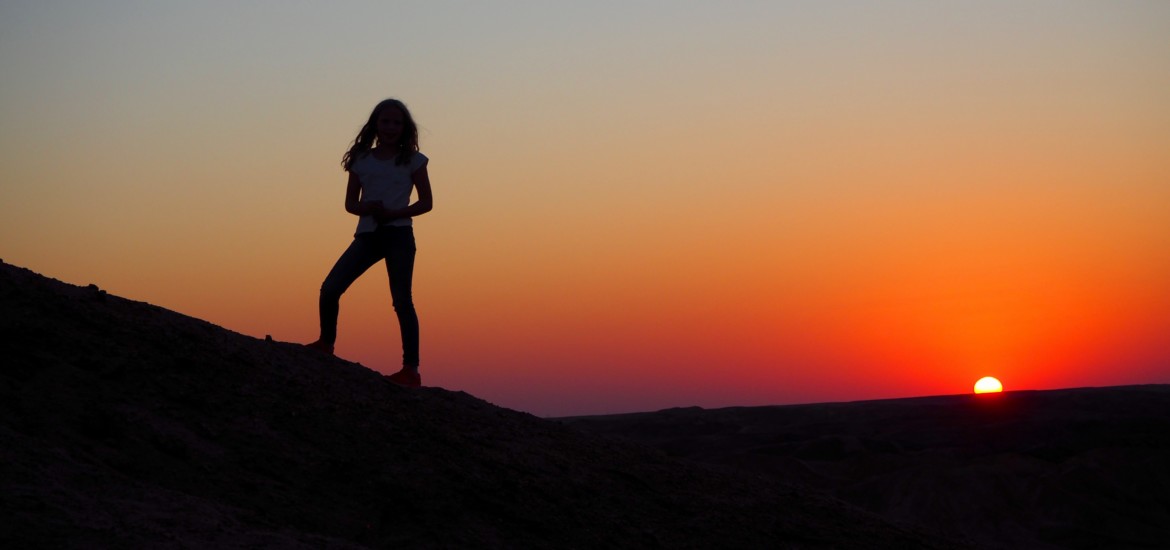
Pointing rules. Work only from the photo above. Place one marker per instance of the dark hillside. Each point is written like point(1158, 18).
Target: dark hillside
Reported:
point(127, 425)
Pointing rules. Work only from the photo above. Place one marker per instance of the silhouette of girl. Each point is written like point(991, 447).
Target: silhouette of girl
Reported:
point(384, 165)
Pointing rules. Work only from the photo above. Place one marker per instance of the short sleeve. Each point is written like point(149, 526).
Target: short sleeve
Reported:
point(417, 160)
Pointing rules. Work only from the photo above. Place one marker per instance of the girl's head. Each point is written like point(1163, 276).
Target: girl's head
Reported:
point(390, 125)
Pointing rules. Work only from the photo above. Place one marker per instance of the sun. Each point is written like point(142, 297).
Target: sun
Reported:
point(988, 384)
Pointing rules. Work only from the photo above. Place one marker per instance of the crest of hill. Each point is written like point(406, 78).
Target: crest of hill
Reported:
point(125, 424)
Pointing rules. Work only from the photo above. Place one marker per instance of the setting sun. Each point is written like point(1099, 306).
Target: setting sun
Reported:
point(988, 384)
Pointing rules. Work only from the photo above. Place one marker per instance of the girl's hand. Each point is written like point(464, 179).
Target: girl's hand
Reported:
point(372, 208)
point(380, 212)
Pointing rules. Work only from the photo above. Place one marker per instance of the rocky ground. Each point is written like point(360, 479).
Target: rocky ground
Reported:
point(126, 425)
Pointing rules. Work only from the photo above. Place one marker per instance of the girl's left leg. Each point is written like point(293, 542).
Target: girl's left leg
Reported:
point(400, 251)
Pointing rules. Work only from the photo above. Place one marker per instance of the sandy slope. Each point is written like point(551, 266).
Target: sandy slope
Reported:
point(126, 425)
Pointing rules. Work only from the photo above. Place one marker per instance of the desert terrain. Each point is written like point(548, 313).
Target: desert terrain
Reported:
point(123, 424)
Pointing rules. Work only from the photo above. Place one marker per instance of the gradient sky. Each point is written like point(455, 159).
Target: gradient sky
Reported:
point(638, 205)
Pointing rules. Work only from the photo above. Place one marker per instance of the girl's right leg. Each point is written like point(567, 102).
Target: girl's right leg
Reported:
point(356, 259)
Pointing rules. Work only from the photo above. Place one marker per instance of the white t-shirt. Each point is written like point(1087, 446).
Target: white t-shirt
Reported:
point(382, 180)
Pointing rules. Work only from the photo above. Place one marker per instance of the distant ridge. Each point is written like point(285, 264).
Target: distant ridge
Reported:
point(123, 424)
point(1077, 468)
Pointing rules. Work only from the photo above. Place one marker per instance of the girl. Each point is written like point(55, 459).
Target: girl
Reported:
point(384, 164)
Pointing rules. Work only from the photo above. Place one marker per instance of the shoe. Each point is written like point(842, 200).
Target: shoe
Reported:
point(321, 346)
point(409, 379)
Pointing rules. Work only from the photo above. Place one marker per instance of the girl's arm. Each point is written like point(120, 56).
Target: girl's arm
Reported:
point(422, 184)
point(353, 204)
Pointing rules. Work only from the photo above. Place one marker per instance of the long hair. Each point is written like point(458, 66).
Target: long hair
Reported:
point(367, 138)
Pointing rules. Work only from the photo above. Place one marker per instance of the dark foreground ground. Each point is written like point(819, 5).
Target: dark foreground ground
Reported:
point(124, 425)
point(1078, 468)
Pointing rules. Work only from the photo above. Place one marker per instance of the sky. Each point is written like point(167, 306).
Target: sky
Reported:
point(638, 204)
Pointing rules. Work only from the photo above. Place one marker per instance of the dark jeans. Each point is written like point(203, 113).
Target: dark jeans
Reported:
point(396, 246)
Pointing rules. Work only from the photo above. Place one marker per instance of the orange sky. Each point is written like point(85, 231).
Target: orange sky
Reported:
point(742, 204)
